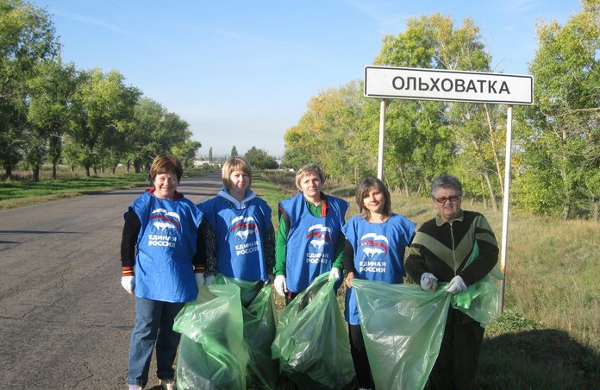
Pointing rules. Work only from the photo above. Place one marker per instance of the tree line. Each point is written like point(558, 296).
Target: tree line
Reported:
point(555, 165)
point(54, 112)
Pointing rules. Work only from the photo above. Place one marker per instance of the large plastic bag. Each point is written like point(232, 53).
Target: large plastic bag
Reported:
point(312, 339)
point(212, 354)
point(260, 320)
point(402, 327)
point(480, 300)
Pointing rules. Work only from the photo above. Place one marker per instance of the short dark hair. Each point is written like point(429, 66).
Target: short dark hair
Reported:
point(163, 164)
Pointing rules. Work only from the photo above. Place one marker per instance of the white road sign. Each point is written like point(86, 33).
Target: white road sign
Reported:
point(433, 84)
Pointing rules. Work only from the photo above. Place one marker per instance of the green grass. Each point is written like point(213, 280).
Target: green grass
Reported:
point(16, 193)
point(22, 191)
point(548, 336)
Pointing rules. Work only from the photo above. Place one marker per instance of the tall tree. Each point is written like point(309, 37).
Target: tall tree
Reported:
point(103, 107)
point(50, 94)
point(260, 159)
point(561, 141)
point(425, 138)
point(27, 36)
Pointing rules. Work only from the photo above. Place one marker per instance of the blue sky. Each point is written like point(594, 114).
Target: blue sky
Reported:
point(241, 72)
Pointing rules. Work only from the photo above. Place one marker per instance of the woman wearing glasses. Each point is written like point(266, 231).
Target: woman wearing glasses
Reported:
point(439, 253)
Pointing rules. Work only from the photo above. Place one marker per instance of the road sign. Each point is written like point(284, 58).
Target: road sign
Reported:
point(447, 85)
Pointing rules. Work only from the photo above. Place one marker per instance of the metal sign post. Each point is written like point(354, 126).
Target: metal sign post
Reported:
point(445, 85)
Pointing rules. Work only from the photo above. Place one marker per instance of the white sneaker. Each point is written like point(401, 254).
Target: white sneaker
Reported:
point(134, 387)
point(168, 384)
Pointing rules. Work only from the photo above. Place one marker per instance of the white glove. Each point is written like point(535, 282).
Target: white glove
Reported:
point(199, 279)
point(209, 279)
point(429, 282)
point(280, 285)
point(128, 283)
point(335, 273)
point(456, 285)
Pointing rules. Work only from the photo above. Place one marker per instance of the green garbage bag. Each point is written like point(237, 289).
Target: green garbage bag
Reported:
point(212, 354)
point(402, 327)
point(260, 320)
point(311, 342)
point(480, 300)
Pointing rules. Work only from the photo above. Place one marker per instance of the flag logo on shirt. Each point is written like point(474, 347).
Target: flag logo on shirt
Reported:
point(243, 227)
point(162, 219)
point(318, 235)
point(374, 246)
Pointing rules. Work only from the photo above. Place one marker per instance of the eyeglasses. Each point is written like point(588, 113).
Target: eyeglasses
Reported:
point(443, 200)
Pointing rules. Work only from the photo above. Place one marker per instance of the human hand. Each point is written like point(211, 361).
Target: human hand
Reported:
point(280, 285)
point(349, 277)
point(209, 279)
point(335, 273)
point(199, 278)
point(128, 283)
point(456, 285)
point(429, 282)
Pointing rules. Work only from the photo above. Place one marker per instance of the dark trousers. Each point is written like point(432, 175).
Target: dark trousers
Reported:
point(359, 357)
point(456, 365)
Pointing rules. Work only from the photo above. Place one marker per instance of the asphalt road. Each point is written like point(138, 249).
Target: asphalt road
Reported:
point(65, 320)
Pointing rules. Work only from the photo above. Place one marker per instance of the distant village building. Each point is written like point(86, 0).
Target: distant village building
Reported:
point(198, 162)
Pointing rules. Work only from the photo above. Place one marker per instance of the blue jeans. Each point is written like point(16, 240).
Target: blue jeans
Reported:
point(153, 326)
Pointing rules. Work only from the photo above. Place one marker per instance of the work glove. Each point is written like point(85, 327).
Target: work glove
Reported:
point(335, 273)
point(199, 278)
point(280, 285)
point(456, 285)
point(128, 283)
point(209, 279)
point(429, 282)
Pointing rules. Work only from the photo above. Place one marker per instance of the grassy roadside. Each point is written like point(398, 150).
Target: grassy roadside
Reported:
point(22, 191)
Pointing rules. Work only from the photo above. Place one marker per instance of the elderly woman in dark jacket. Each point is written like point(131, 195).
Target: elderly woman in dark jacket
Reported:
point(439, 253)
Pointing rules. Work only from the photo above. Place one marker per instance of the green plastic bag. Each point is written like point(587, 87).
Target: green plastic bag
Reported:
point(212, 354)
point(402, 327)
point(312, 339)
point(480, 300)
point(260, 320)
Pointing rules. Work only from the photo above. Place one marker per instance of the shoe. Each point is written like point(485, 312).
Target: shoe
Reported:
point(135, 387)
point(363, 388)
point(168, 384)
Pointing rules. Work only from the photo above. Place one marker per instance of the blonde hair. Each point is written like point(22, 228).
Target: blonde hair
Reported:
point(308, 169)
point(235, 164)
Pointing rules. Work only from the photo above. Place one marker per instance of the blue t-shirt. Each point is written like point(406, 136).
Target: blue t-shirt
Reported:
point(378, 253)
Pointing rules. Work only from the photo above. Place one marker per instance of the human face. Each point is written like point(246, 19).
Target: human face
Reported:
point(448, 210)
point(311, 186)
point(165, 185)
point(239, 182)
point(374, 201)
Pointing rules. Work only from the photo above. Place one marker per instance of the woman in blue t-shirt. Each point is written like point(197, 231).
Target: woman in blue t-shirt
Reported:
point(375, 244)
